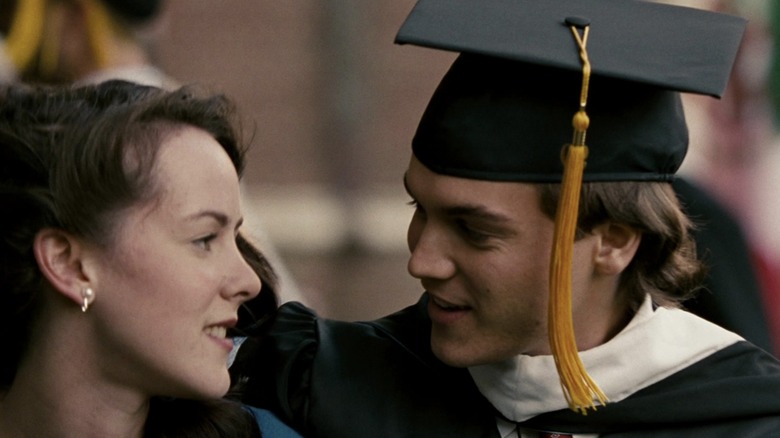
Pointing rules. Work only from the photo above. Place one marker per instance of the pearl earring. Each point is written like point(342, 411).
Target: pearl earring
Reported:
point(88, 295)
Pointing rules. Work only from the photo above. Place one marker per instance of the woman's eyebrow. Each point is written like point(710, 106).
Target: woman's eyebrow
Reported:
point(221, 218)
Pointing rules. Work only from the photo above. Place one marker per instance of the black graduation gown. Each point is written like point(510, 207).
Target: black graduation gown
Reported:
point(379, 379)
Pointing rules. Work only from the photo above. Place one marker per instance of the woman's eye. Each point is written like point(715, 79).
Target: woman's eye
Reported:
point(204, 242)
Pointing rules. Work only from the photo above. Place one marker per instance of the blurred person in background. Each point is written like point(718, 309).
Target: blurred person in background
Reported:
point(730, 182)
point(65, 41)
point(732, 294)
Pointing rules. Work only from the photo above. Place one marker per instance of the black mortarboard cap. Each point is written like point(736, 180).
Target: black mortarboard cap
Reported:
point(566, 91)
point(504, 109)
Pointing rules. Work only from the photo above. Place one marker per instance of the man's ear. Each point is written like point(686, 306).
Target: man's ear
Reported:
point(617, 246)
point(60, 257)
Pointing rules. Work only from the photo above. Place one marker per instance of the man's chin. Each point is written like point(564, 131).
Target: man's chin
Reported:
point(452, 354)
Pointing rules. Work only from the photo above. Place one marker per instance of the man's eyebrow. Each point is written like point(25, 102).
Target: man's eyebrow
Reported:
point(478, 212)
point(475, 211)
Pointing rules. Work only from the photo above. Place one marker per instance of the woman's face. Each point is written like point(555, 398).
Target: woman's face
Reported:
point(169, 285)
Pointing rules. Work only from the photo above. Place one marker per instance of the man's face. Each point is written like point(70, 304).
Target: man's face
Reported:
point(482, 249)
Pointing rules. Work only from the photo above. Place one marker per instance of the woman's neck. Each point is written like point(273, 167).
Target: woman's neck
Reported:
point(31, 412)
point(57, 392)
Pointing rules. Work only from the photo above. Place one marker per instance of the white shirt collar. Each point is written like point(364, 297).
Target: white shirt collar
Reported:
point(654, 345)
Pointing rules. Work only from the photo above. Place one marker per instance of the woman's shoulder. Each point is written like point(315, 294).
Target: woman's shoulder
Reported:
point(270, 425)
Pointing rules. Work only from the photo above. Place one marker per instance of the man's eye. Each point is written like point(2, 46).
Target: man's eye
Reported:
point(418, 209)
point(471, 234)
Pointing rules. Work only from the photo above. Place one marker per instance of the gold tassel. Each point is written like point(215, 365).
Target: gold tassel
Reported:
point(99, 29)
point(578, 387)
point(49, 56)
point(26, 32)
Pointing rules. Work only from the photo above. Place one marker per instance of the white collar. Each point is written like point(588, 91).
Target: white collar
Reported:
point(654, 345)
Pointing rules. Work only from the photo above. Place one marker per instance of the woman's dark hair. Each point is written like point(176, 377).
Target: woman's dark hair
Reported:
point(73, 159)
point(665, 265)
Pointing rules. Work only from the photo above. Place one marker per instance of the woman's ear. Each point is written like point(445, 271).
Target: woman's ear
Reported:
point(617, 246)
point(60, 258)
